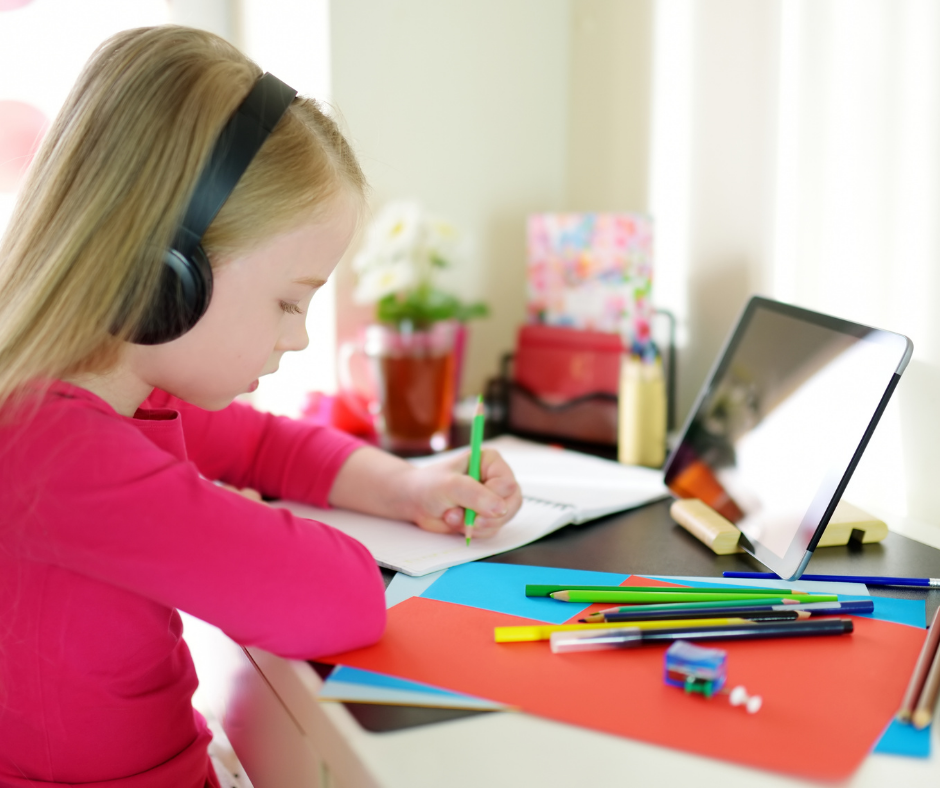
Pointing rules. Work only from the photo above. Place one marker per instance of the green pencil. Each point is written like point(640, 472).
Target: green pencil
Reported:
point(545, 590)
point(476, 438)
point(668, 596)
point(698, 605)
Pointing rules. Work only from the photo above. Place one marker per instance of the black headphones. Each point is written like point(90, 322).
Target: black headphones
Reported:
point(186, 279)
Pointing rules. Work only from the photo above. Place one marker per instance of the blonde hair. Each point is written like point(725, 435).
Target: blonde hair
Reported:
point(112, 178)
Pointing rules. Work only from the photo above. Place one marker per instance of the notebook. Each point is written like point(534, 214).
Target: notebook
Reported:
point(559, 487)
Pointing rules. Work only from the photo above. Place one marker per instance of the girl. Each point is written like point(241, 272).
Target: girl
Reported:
point(116, 411)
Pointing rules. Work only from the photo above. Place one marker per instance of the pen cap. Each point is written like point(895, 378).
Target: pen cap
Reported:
point(565, 642)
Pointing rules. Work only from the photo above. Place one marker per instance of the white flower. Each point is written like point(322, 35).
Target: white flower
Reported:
point(399, 250)
point(397, 229)
point(377, 282)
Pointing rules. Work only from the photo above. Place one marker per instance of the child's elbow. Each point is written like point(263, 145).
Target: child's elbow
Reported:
point(359, 623)
point(373, 627)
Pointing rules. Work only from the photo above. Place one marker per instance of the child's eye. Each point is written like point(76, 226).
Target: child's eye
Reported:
point(291, 309)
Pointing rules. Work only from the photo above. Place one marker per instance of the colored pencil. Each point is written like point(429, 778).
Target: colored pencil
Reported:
point(748, 611)
point(670, 606)
point(548, 590)
point(923, 713)
point(533, 632)
point(869, 580)
point(473, 469)
point(668, 596)
point(921, 669)
point(562, 642)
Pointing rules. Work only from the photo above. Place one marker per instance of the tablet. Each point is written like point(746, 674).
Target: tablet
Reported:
point(781, 423)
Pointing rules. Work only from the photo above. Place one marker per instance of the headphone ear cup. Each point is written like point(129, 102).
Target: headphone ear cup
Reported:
point(182, 297)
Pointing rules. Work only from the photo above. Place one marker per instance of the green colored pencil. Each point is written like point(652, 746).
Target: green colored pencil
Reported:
point(545, 590)
point(697, 605)
point(473, 471)
point(668, 596)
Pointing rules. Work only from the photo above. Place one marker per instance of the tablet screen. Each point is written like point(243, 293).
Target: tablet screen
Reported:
point(781, 423)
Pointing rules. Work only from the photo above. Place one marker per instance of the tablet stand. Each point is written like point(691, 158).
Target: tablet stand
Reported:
point(848, 523)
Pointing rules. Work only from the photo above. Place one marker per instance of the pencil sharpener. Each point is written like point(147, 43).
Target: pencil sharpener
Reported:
point(696, 669)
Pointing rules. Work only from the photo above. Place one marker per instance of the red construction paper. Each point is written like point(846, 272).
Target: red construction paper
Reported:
point(826, 699)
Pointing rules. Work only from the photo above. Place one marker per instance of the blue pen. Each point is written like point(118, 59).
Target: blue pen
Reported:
point(869, 580)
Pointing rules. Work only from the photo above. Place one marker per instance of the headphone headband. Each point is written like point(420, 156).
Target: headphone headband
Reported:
point(186, 277)
point(238, 143)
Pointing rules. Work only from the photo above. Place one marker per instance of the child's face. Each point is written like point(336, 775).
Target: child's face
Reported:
point(257, 313)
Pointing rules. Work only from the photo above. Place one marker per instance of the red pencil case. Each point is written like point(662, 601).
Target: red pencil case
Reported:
point(565, 383)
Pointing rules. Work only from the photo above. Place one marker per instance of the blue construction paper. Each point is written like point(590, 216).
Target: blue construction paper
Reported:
point(911, 612)
point(345, 692)
point(501, 588)
point(405, 586)
point(371, 678)
point(368, 686)
point(901, 739)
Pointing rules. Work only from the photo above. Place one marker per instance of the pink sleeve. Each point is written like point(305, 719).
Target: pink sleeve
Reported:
point(113, 506)
point(278, 456)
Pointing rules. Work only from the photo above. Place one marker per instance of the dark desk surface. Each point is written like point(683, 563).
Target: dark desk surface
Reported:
point(647, 541)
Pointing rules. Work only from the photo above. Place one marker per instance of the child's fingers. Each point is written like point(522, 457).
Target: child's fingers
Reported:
point(245, 492)
point(482, 527)
point(470, 494)
point(496, 474)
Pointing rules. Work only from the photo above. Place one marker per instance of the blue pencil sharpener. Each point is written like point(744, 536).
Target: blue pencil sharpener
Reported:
point(696, 669)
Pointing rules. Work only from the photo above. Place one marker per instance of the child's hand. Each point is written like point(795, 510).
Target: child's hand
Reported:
point(247, 492)
point(440, 494)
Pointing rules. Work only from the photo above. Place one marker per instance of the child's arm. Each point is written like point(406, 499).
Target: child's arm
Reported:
point(245, 448)
point(434, 497)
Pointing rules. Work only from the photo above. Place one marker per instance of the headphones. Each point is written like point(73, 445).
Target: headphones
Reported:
point(186, 278)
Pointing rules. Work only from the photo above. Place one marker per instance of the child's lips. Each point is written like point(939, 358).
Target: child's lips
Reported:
point(253, 386)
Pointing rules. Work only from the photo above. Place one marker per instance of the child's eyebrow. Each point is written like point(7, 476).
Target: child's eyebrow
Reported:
point(310, 282)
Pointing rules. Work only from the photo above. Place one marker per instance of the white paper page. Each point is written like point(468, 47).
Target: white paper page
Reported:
point(592, 485)
point(406, 548)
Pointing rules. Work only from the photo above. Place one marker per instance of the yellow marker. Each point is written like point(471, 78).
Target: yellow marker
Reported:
point(527, 634)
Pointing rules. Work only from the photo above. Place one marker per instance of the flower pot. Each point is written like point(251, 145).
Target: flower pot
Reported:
point(414, 380)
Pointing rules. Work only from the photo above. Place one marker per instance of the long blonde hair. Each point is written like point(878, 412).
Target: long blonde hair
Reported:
point(112, 178)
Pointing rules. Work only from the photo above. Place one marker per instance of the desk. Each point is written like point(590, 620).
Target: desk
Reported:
point(286, 738)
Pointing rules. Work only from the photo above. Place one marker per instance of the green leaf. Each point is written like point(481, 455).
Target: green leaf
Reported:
point(426, 305)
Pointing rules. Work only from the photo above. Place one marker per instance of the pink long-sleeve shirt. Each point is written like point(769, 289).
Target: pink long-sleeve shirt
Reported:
point(108, 526)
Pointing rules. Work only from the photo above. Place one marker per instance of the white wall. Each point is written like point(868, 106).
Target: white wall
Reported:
point(609, 105)
point(805, 133)
point(464, 107)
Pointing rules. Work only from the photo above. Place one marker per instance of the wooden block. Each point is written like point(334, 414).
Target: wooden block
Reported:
point(721, 535)
point(847, 519)
point(706, 525)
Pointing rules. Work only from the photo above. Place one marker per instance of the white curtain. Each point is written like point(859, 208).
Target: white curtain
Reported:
point(812, 142)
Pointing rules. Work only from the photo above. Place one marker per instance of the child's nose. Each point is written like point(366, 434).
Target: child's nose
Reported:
point(294, 339)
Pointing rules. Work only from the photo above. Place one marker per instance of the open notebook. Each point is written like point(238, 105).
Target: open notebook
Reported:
point(558, 486)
